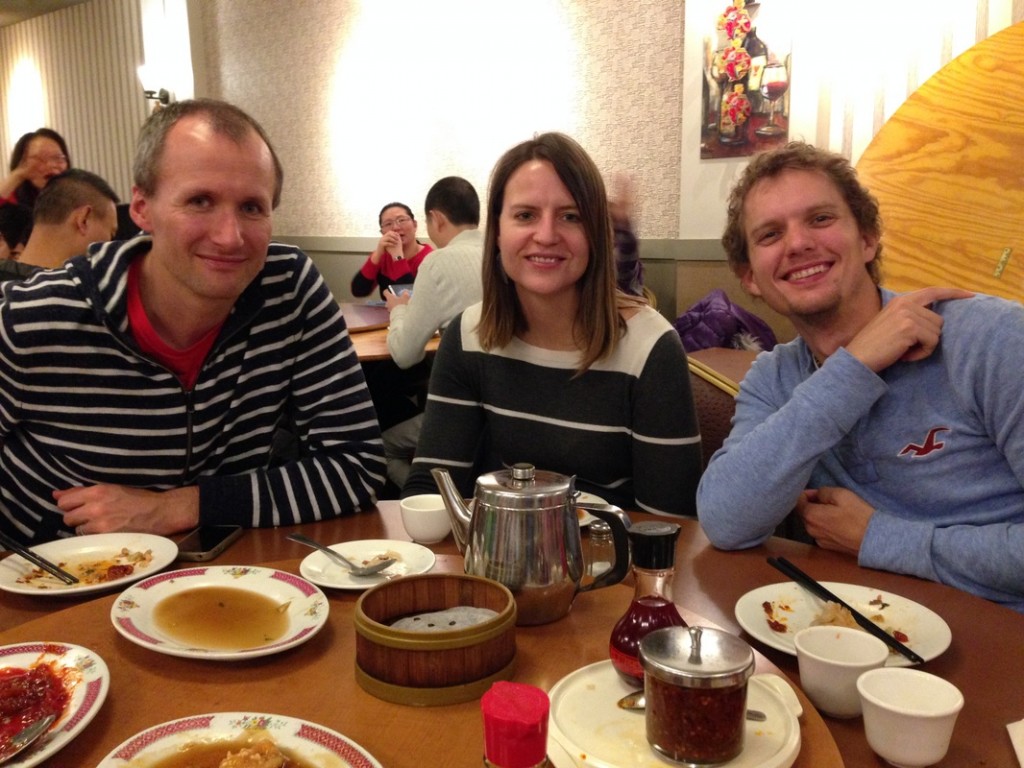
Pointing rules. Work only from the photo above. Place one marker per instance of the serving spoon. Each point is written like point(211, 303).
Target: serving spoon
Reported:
point(356, 570)
point(635, 702)
point(26, 736)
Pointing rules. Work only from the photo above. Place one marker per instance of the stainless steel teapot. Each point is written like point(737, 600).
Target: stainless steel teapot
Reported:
point(522, 530)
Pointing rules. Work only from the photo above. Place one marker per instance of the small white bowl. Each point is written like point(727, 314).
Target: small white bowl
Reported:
point(908, 715)
point(831, 659)
point(425, 518)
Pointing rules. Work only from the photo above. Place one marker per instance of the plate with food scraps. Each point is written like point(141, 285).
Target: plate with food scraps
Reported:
point(586, 498)
point(227, 613)
point(207, 739)
point(65, 677)
point(409, 559)
point(588, 724)
point(101, 561)
point(774, 613)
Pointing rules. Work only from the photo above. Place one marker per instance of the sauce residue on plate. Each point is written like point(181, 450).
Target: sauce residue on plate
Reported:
point(221, 618)
point(90, 569)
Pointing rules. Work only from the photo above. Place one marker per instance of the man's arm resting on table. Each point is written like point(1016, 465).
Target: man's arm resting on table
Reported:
point(108, 508)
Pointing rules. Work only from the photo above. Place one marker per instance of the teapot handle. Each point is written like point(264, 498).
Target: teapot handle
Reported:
point(619, 522)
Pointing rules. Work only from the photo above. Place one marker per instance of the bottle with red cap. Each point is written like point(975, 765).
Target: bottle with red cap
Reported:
point(515, 726)
point(653, 547)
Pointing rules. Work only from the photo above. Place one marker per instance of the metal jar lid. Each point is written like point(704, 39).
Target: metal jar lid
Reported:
point(696, 657)
point(524, 487)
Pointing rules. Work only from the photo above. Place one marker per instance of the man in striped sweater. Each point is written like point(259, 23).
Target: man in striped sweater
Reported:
point(144, 386)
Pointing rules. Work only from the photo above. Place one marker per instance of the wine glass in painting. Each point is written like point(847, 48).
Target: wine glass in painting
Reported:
point(774, 84)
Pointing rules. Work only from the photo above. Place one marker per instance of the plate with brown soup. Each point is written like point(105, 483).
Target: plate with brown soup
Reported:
point(220, 612)
point(774, 613)
point(205, 741)
point(101, 561)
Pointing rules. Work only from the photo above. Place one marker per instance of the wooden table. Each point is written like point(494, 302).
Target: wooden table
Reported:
point(368, 329)
point(315, 681)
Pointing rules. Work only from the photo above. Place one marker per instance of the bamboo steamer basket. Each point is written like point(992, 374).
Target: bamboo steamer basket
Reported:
point(433, 668)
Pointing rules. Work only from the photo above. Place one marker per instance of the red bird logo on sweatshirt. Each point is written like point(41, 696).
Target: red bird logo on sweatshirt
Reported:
point(931, 444)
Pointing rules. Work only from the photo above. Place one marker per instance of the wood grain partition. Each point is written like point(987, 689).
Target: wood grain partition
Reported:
point(948, 170)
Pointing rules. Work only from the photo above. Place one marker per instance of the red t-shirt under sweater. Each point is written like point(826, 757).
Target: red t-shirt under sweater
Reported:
point(184, 363)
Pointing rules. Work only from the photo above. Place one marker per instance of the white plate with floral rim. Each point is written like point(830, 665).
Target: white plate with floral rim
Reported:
point(77, 553)
point(410, 559)
point(84, 672)
point(303, 604)
point(312, 744)
point(595, 732)
point(774, 613)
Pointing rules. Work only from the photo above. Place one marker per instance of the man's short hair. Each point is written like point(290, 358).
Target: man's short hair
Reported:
point(799, 156)
point(225, 119)
point(455, 198)
point(68, 191)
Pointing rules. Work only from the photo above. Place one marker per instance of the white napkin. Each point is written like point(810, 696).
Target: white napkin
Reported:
point(1017, 739)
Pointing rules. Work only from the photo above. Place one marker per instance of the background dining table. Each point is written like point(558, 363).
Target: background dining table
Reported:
point(315, 681)
point(368, 328)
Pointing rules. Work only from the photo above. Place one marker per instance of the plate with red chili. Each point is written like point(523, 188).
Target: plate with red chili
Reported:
point(37, 679)
point(774, 613)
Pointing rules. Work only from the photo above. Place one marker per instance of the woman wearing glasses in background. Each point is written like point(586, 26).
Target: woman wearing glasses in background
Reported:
point(556, 367)
point(397, 256)
point(36, 158)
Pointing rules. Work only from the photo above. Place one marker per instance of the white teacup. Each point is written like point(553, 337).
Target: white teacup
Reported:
point(908, 715)
point(830, 660)
point(425, 518)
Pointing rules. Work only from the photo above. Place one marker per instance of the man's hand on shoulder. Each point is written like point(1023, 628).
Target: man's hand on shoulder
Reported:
point(906, 329)
point(836, 518)
point(108, 508)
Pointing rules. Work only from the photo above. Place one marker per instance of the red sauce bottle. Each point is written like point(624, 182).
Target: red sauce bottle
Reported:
point(653, 546)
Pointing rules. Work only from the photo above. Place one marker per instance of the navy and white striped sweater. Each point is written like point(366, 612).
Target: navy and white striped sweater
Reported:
point(80, 404)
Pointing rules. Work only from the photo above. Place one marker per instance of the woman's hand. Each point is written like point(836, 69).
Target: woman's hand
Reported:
point(388, 240)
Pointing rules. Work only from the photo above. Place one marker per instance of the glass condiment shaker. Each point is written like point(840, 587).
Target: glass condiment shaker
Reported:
point(696, 693)
point(515, 726)
point(600, 548)
point(653, 547)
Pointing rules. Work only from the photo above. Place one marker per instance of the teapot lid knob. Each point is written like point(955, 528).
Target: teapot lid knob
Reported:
point(522, 471)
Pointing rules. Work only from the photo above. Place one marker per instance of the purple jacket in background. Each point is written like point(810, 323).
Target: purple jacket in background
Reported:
point(715, 321)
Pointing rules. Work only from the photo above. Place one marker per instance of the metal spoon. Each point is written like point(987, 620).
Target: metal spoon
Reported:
point(356, 570)
point(26, 736)
point(635, 702)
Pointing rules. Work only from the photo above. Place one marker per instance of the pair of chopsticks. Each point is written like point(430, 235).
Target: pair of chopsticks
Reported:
point(32, 557)
point(863, 621)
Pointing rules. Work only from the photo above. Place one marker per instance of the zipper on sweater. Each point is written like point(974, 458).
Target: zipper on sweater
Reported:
point(189, 414)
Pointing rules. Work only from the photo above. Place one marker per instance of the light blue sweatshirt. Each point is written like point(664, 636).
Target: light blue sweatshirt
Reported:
point(936, 447)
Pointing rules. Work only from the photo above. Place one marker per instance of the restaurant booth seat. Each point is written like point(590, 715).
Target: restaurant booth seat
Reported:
point(715, 376)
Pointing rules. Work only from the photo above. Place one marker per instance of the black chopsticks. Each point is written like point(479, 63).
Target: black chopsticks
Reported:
point(32, 557)
point(865, 623)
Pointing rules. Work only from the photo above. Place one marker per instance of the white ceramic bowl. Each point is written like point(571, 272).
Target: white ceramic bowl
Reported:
point(908, 715)
point(425, 518)
point(831, 659)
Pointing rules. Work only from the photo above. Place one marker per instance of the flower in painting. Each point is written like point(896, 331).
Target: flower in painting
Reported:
point(735, 61)
point(735, 106)
point(735, 21)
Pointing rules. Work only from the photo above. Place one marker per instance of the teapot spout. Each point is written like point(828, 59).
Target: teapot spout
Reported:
point(458, 512)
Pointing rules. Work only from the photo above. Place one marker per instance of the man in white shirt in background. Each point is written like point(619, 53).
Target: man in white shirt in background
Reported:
point(448, 281)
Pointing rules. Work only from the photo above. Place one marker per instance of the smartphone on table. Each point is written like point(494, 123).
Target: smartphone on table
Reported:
point(207, 541)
